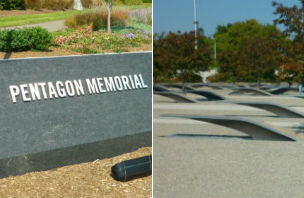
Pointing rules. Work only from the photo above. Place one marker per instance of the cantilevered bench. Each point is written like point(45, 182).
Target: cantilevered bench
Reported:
point(207, 94)
point(276, 109)
point(257, 131)
point(250, 90)
point(281, 90)
point(273, 108)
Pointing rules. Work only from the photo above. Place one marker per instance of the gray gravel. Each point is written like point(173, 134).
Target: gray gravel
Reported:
point(225, 167)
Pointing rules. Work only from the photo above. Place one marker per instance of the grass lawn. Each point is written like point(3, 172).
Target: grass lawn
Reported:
point(35, 18)
point(40, 18)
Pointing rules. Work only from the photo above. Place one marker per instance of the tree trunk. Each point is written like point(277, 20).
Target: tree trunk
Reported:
point(109, 18)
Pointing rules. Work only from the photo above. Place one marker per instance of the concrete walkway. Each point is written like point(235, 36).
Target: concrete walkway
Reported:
point(51, 26)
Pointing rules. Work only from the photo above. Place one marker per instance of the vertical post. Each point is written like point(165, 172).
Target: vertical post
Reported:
point(215, 49)
point(195, 26)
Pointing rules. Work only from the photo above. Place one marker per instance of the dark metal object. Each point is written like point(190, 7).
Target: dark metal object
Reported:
point(129, 169)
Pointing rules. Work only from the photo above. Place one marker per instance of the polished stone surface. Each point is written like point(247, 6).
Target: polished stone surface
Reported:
point(28, 128)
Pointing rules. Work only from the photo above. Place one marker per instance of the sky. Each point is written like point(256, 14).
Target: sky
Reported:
point(173, 15)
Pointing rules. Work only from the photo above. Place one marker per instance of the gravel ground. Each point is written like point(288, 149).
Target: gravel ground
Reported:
point(212, 165)
point(91, 179)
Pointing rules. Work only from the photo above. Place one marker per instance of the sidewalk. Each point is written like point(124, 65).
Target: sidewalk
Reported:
point(51, 26)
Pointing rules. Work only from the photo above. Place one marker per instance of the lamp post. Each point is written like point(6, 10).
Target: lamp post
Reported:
point(195, 26)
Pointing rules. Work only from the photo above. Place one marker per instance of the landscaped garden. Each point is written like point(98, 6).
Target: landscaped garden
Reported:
point(85, 31)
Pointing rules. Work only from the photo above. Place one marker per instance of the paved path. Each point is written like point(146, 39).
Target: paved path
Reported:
point(51, 26)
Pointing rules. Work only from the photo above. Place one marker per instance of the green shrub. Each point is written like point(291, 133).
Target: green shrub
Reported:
point(41, 38)
point(49, 4)
point(133, 2)
point(147, 1)
point(24, 39)
point(98, 18)
point(12, 5)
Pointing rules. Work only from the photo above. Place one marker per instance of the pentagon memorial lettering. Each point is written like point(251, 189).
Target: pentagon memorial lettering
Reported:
point(61, 89)
point(58, 111)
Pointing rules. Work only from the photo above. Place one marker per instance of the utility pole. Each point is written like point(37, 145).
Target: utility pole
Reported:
point(195, 26)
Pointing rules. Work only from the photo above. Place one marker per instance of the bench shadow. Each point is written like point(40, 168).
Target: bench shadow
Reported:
point(208, 136)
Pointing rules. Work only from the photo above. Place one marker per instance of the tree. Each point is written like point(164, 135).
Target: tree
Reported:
point(233, 35)
point(248, 51)
point(291, 72)
point(258, 58)
point(160, 72)
point(176, 57)
point(109, 4)
point(292, 18)
point(292, 68)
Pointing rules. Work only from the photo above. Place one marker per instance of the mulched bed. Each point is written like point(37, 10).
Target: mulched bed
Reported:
point(91, 179)
point(6, 13)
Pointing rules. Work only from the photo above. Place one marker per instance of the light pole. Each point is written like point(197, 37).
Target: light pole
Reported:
point(195, 26)
point(215, 49)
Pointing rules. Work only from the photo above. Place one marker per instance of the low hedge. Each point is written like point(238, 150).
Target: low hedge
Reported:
point(12, 4)
point(24, 39)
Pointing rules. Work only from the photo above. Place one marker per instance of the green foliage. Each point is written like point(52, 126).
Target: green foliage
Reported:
point(233, 35)
point(175, 56)
point(133, 2)
point(12, 5)
point(248, 51)
point(147, 1)
point(24, 39)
